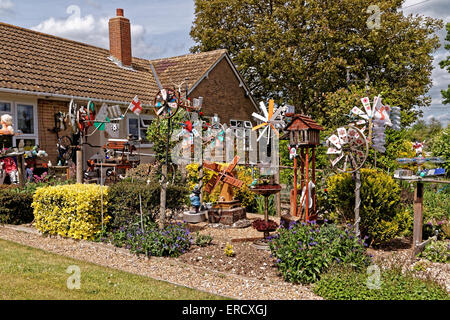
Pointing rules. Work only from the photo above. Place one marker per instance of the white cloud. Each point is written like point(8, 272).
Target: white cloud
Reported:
point(94, 31)
point(6, 6)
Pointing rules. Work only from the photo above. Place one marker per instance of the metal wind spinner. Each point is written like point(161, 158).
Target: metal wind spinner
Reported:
point(272, 120)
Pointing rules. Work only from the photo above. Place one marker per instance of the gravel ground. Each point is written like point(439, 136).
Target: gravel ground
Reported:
point(242, 284)
point(398, 253)
point(250, 274)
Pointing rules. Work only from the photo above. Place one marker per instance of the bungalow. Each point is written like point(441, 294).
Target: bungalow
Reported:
point(40, 74)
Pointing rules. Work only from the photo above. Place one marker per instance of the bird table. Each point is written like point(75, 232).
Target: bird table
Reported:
point(418, 245)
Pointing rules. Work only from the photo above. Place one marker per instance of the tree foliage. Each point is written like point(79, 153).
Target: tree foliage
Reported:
point(297, 51)
point(445, 64)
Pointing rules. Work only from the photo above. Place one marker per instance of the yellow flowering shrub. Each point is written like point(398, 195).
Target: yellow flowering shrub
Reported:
point(72, 210)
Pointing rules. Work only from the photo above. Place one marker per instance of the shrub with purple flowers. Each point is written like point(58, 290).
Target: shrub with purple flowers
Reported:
point(304, 251)
point(172, 241)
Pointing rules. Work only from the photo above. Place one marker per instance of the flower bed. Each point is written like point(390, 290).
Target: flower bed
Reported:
point(306, 250)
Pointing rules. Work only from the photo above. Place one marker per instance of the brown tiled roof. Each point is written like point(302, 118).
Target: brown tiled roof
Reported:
point(300, 122)
point(37, 62)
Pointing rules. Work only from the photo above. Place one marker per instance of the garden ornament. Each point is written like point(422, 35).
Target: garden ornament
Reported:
point(271, 119)
point(418, 147)
point(195, 198)
point(6, 122)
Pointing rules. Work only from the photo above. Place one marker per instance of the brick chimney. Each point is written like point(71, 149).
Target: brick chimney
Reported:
point(120, 38)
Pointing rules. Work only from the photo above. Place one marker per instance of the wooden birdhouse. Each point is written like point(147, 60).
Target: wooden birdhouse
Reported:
point(303, 131)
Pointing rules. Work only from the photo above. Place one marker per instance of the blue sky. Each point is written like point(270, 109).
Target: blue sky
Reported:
point(161, 28)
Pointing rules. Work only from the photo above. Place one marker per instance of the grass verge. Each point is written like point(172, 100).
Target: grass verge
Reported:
point(27, 273)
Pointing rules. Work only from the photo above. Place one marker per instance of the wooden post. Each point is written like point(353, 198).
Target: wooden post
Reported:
point(79, 166)
point(306, 184)
point(314, 179)
point(294, 195)
point(418, 216)
point(162, 211)
point(21, 169)
point(278, 195)
point(302, 168)
point(357, 200)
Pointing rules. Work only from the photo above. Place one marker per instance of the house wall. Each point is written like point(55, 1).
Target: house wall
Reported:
point(46, 122)
point(222, 95)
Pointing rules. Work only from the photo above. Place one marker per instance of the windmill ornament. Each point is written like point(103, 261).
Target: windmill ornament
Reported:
point(348, 148)
point(271, 120)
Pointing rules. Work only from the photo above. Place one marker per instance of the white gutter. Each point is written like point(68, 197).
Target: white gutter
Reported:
point(62, 96)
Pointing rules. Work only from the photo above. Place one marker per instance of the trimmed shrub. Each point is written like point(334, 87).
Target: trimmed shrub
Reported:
point(306, 250)
point(382, 216)
point(15, 206)
point(351, 285)
point(72, 211)
point(124, 200)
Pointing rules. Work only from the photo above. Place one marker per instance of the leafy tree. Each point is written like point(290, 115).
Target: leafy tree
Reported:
point(445, 64)
point(157, 133)
point(297, 51)
point(421, 131)
point(441, 148)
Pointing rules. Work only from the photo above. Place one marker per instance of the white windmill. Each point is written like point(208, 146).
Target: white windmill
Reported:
point(271, 119)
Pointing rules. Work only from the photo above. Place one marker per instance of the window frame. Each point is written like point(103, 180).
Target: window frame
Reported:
point(14, 114)
point(25, 136)
point(140, 126)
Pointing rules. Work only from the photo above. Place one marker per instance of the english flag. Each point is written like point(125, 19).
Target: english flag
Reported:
point(135, 106)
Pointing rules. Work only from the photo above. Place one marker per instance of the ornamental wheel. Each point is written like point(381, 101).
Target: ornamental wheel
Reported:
point(167, 103)
point(347, 149)
point(64, 147)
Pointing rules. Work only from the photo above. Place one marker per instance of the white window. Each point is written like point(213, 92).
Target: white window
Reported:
point(242, 130)
point(137, 127)
point(24, 116)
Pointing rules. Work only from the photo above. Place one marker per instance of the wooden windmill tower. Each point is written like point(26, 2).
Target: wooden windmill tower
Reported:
point(304, 134)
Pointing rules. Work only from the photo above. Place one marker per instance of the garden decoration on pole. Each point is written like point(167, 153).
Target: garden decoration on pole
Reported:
point(271, 120)
point(166, 103)
point(421, 177)
point(304, 134)
point(348, 148)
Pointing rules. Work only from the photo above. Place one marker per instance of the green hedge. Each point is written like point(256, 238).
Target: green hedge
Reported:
point(123, 204)
point(393, 285)
point(15, 206)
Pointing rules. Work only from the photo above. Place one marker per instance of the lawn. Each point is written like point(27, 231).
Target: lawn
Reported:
point(28, 273)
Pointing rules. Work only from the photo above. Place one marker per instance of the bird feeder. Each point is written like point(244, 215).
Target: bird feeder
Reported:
point(304, 135)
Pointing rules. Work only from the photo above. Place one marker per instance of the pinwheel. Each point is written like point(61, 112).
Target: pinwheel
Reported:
point(271, 120)
point(167, 101)
point(347, 149)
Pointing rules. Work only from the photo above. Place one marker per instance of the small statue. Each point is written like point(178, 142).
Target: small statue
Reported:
point(10, 168)
point(195, 198)
point(418, 147)
point(6, 122)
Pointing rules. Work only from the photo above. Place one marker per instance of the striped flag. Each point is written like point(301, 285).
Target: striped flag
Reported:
point(135, 106)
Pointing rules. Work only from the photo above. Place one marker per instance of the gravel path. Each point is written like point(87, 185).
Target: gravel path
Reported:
point(167, 269)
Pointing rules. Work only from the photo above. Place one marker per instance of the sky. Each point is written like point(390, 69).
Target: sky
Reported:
point(160, 28)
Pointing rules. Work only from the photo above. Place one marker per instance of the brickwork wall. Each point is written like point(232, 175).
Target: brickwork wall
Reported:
point(222, 95)
point(46, 121)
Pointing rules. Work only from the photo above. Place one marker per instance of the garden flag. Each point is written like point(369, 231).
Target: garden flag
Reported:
point(135, 106)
